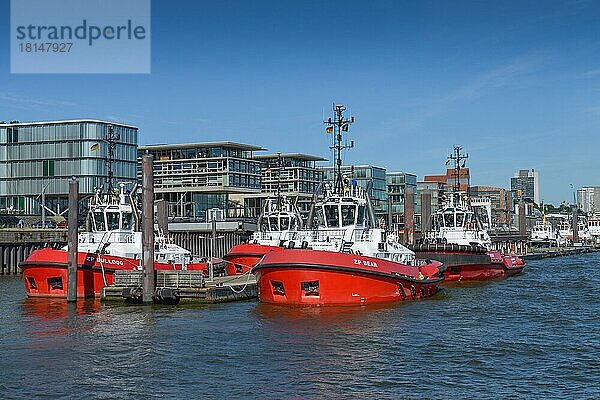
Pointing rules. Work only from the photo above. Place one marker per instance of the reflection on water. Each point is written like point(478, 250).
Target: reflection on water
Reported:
point(56, 316)
point(511, 338)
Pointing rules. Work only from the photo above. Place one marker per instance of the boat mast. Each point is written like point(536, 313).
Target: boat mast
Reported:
point(337, 125)
point(111, 140)
point(457, 157)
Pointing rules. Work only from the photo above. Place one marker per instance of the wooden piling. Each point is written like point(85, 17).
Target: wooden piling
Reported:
point(162, 216)
point(409, 215)
point(574, 222)
point(72, 240)
point(148, 282)
point(522, 222)
point(425, 212)
point(213, 245)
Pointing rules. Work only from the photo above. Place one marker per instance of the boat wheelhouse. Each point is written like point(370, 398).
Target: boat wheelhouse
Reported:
point(457, 223)
point(278, 224)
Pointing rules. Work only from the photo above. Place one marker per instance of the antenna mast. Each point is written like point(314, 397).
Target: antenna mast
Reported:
point(457, 157)
point(111, 140)
point(337, 125)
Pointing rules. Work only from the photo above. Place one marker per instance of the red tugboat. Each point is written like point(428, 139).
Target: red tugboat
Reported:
point(459, 240)
point(279, 223)
point(345, 259)
point(113, 242)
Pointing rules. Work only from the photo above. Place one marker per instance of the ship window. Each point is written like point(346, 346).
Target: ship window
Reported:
point(112, 218)
point(459, 219)
point(439, 221)
point(99, 221)
point(348, 213)
point(320, 219)
point(449, 220)
point(31, 282)
point(332, 217)
point(361, 215)
point(127, 218)
point(274, 224)
point(264, 226)
point(285, 223)
point(278, 288)
point(310, 288)
point(55, 283)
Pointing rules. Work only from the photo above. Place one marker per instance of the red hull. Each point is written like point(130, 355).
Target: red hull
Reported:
point(45, 272)
point(243, 257)
point(472, 266)
point(317, 278)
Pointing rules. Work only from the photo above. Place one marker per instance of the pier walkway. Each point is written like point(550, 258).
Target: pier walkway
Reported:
point(182, 286)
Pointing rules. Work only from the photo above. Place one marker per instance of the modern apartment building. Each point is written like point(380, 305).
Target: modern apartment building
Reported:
point(294, 175)
point(194, 177)
point(44, 156)
point(399, 184)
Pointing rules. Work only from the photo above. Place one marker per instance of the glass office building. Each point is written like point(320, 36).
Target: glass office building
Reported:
point(194, 177)
point(40, 156)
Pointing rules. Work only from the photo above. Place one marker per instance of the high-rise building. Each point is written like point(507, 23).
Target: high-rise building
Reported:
point(528, 182)
point(195, 177)
point(38, 157)
point(588, 199)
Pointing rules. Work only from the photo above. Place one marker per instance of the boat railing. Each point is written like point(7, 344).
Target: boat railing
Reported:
point(277, 235)
point(326, 235)
point(363, 235)
point(107, 237)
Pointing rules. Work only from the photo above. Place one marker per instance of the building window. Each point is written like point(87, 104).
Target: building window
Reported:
point(12, 135)
point(48, 168)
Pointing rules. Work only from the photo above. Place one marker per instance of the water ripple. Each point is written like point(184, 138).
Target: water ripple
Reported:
point(534, 335)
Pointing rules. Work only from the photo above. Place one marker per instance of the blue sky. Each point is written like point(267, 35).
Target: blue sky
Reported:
point(516, 83)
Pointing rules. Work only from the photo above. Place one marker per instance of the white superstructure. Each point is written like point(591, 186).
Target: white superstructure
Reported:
point(114, 230)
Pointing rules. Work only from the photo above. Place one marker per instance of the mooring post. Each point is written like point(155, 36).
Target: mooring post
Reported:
point(213, 243)
point(148, 283)
point(575, 225)
point(522, 222)
point(390, 216)
point(162, 216)
point(72, 240)
point(409, 215)
point(425, 212)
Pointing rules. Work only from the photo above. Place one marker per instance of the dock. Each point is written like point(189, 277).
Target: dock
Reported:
point(541, 253)
point(17, 244)
point(176, 286)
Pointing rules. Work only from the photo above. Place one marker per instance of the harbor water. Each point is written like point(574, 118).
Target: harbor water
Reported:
point(533, 335)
